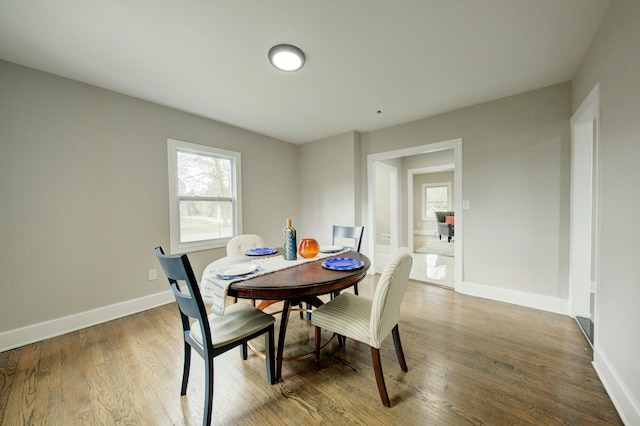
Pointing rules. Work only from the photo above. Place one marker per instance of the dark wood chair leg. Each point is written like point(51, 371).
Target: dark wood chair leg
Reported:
point(208, 395)
point(399, 352)
point(185, 370)
point(377, 368)
point(355, 289)
point(440, 236)
point(317, 346)
point(244, 353)
point(269, 352)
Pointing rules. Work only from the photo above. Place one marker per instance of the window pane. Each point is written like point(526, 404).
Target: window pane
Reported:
point(205, 220)
point(437, 193)
point(204, 175)
point(436, 198)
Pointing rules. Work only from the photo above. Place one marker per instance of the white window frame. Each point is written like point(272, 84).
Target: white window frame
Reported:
point(424, 198)
point(174, 213)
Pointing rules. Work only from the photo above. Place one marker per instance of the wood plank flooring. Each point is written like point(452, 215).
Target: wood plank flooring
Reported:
point(471, 361)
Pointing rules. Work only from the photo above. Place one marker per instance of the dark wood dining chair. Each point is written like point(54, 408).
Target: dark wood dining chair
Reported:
point(353, 233)
point(213, 335)
point(369, 320)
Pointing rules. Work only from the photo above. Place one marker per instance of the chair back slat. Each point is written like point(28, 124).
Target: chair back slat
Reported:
point(387, 298)
point(185, 302)
point(349, 232)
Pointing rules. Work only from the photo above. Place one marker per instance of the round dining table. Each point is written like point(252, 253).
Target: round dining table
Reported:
point(299, 284)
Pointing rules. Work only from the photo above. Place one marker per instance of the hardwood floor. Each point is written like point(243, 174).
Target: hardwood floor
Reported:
point(471, 361)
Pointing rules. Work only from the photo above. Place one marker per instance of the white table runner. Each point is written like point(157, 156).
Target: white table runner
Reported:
point(214, 289)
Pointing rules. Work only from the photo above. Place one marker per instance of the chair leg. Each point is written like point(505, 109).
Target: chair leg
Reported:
point(308, 312)
point(399, 352)
point(208, 402)
point(317, 346)
point(355, 289)
point(244, 352)
point(270, 355)
point(185, 371)
point(440, 236)
point(377, 368)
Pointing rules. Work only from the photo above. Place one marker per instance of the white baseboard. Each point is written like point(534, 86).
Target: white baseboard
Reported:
point(530, 300)
point(628, 408)
point(422, 232)
point(56, 327)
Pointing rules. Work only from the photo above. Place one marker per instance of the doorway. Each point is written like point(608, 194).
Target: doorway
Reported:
point(582, 229)
point(403, 237)
point(433, 255)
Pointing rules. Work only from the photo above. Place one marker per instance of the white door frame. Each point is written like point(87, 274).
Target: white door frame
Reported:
point(456, 145)
point(393, 204)
point(583, 233)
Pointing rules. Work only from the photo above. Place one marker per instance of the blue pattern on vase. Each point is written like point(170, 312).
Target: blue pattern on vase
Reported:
point(289, 242)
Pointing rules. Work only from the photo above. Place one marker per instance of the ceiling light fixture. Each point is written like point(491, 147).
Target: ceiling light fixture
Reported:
point(286, 57)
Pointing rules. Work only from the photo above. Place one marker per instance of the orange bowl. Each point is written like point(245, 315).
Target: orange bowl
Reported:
point(308, 248)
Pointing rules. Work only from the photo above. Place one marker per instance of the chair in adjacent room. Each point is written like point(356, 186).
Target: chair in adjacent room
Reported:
point(351, 233)
point(213, 335)
point(369, 321)
point(241, 243)
point(446, 224)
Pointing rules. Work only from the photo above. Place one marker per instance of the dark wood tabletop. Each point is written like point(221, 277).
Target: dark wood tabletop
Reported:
point(302, 281)
point(298, 284)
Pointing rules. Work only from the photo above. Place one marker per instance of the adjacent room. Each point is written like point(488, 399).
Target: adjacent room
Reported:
point(416, 219)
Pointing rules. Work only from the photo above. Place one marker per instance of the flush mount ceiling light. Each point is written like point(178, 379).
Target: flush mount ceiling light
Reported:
point(286, 57)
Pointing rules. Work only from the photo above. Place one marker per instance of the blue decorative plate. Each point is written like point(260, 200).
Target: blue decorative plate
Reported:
point(342, 263)
point(260, 251)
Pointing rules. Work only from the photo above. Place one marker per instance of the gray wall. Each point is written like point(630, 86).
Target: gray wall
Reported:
point(613, 61)
point(516, 175)
point(83, 184)
point(328, 172)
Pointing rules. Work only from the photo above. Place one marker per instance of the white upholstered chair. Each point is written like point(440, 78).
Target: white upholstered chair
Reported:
point(242, 243)
point(369, 321)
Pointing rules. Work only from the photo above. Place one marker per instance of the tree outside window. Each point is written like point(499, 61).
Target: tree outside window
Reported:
point(204, 196)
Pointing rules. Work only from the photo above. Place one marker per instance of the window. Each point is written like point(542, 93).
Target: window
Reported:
point(205, 208)
point(436, 197)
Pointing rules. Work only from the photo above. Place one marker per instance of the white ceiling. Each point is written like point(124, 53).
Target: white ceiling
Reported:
point(408, 58)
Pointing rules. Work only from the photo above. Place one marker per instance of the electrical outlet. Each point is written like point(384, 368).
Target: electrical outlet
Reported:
point(153, 274)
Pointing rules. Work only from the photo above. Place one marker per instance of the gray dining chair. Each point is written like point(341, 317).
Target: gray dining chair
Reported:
point(369, 320)
point(353, 234)
point(213, 335)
